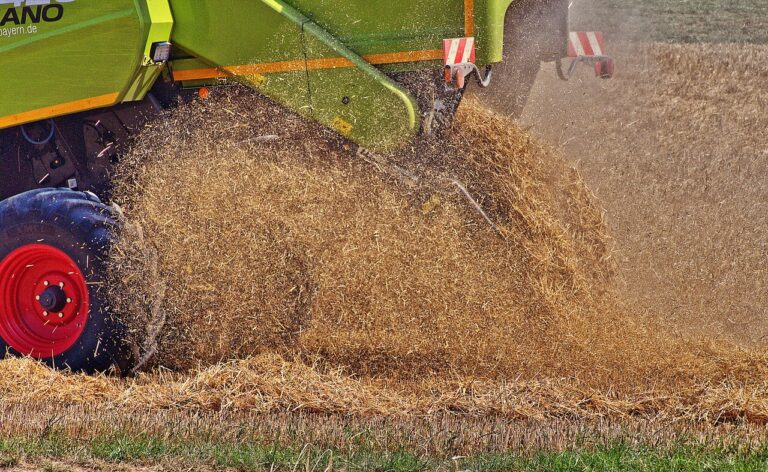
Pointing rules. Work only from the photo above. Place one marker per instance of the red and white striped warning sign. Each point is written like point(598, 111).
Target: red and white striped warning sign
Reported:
point(459, 51)
point(586, 43)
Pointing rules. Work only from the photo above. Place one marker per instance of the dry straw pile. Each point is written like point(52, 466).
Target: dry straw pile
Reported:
point(463, 256)
point(272, 266)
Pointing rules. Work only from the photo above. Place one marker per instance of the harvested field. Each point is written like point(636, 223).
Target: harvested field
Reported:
point(266, 262)
point(460, 298)
point(675, 150)
point(461, 305)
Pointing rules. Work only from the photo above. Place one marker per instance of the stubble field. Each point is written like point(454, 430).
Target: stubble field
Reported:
point(543, 317)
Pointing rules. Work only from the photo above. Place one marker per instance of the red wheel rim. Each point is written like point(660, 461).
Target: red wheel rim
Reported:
point(43, 301)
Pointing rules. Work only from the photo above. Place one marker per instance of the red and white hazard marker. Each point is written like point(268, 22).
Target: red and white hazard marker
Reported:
point(459, 51)
point(459, 59)
point(586, 43)
point(590, 46)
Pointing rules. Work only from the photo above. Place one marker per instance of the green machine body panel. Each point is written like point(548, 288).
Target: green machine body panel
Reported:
point(276, 49)
point(317, 56)
point(62, 56)
point(380, 26)
point(322, 58)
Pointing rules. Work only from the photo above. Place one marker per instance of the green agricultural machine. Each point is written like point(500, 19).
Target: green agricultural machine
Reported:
point(80, 77)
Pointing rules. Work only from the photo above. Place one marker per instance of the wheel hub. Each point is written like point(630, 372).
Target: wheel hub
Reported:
point(53, 299)
point(43, 301)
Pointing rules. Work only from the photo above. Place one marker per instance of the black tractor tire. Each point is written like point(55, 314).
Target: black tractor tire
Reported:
point(43, 232)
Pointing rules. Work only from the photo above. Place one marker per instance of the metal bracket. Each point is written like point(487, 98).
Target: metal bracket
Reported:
point(587, 47)
point(458, 73)
point(604, 67)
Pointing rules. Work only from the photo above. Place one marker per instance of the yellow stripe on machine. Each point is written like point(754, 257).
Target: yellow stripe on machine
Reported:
point(59, 110)
point(311, 64)
point(469, 18)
